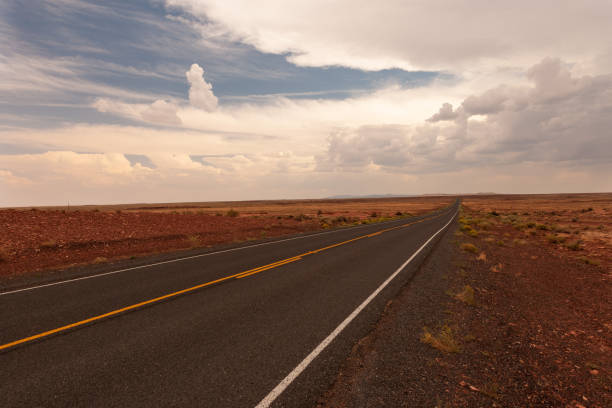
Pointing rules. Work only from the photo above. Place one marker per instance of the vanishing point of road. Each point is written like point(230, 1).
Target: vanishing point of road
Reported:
point(260, 325)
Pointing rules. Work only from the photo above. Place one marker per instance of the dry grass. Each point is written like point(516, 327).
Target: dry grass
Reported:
point(232, 213)
point(589, 261)
point(444, 341)
point(497, 268)
point(469, 247)
point(466, 295)
point(194, 240)
point(100, 259)
point(48, 244)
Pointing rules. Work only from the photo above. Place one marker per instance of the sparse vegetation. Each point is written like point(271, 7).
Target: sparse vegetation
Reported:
point(194, 240)
point(491, 390)
point(100, 259)
point(232, 213)
point(469, 247)
point(444, 341)
point(48, 244)
point(589, 261)
point(466, 295)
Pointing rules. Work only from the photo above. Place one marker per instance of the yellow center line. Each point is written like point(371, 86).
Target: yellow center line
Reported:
point(244, 275)
point(240, 275)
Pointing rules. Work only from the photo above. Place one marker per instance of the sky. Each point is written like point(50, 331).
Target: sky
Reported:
point(197, 100)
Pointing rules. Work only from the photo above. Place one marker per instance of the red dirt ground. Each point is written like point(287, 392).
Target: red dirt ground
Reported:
point(39, 239)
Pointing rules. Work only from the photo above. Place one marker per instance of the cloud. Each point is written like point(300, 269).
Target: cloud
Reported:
point(445, 113)
point(432, 35)
point(559, 118)
point(7, 177)
point(161, 111)
point(201, 95)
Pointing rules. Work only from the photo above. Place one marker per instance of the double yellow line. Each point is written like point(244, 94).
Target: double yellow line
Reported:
point(240, 275)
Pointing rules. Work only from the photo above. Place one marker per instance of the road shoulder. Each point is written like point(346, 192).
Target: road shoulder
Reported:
point(489, 324)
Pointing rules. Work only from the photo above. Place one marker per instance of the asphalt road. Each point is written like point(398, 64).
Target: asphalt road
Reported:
point(241, 322)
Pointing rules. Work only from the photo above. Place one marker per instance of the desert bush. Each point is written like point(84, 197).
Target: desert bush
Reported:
point(232, 213)
point(466, 295)
point(444, 341)
point(48, 244)
point(100, 259)
point(194, 240)
point(484, 224)
point(551, 238)
point(494, 213)
point(374, 214)
point(573, 246)
point(472, 233)
point(589, 261)
point(469, 247)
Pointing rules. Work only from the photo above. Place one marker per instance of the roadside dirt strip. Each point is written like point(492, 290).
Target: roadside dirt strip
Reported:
point(498, 317)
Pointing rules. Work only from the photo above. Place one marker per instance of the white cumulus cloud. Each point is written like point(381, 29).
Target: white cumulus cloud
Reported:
point(201, 95)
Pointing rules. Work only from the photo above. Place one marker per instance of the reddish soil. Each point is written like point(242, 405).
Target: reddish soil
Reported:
point(561, 221)
point(534, 329)
point(39, 239)
point(541, 322)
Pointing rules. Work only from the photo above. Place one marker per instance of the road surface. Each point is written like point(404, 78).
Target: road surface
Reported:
point(260, 325)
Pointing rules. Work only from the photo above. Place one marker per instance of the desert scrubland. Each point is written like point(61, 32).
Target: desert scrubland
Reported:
point(40, 238)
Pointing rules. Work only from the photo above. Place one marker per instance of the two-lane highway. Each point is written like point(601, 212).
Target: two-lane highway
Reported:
point(262, 324)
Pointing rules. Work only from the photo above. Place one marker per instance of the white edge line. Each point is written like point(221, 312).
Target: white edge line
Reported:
point(269, 399)
point(183, 259)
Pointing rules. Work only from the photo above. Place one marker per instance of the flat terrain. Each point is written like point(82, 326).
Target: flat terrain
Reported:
point(216, 329)
point(519, 315)
point(36, 239)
